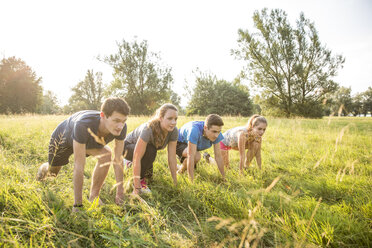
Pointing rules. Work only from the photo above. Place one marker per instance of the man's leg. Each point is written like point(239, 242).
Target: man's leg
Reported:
point(184, 164)
point(58, 155)
point(100, 171)
point(46, 170)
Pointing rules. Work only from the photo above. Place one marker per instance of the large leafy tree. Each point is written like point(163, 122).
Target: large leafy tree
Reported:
point(49, 104)
point(20, 89)
point(87, 94)
point(139, 77)
point(211, 95)
point(341, 102)
point(357, 104)
point(367, 101)
point(289, 64)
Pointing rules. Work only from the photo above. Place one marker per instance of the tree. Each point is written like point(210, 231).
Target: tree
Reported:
point(357, 104)
point(20, 89)
point(139, 77)
point(49, 104)
point(367, 101)
point(219, 96)
point(175, 99)
point(87, 94)
point(289, 64)
point(341, 102)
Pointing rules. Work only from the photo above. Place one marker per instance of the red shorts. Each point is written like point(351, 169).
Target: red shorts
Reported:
point(223, 147)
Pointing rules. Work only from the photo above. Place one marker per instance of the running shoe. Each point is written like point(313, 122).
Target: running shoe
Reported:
point(144, 188)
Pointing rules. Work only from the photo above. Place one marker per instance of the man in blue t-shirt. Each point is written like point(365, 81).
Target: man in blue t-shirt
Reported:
point(197, 136)
point(86, 133)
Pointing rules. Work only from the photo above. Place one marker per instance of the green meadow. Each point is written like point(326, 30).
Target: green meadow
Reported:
point(315, 190)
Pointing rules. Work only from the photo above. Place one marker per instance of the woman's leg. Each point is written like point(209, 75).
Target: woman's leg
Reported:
point(225, 157)
point(147, 161)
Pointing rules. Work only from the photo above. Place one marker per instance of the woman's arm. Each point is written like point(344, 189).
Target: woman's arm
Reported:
point(138, 153)
point(172, 160)
point(241, 146)
point(258, 155)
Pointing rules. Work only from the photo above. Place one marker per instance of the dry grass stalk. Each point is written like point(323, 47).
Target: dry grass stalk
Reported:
point(248, 231)
point(99, 140)
point(272, 184)
point(320, 160)
point(339, 138)
point(340, 110)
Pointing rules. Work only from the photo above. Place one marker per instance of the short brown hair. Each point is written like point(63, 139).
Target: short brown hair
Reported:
point(213, 119)
point(115, 104)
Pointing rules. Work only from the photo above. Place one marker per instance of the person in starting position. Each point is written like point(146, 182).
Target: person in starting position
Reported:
point(243, 138)
point(86, 133)
point(196, 136)
point(142, 144)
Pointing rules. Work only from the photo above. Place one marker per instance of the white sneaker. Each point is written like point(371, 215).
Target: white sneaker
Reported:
point(42, 172)
point(144, 188)
point(127, 164)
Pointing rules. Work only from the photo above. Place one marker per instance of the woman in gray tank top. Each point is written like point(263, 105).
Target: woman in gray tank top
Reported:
point(142, 144)
point(245, 138)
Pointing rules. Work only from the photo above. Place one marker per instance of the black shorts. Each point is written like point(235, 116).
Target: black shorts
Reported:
point(59, 151)
point(179, 150)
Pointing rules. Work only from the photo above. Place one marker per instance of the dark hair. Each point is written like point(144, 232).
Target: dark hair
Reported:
point(115, 104)
point(255, 120)
point(154, 124)
point(213, 119)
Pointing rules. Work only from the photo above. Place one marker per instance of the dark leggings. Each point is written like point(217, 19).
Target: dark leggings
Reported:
point(147, 160)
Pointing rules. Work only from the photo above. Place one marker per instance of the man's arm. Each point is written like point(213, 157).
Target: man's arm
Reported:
point(138, 153)
point(79, 155)
point(118, 169)
point(218, 158)
point(241, 147)
point(191, 151)
point(172, 160)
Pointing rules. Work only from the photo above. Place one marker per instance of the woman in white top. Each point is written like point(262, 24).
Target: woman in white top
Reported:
point(243, 138)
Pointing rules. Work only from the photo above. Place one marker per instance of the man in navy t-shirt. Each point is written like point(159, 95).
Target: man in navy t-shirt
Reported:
point(197, 136)
point(86, 133)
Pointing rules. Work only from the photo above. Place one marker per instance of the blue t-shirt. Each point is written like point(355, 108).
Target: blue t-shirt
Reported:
point(76, 128)
point(193, 132)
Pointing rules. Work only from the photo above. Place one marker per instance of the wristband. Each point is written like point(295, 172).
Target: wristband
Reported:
point(78, 205)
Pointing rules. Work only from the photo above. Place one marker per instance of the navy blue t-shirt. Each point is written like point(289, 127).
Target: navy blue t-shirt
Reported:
point(76, 128)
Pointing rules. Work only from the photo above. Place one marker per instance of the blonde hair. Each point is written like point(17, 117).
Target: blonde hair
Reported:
point(255, 120)
point(154, 124)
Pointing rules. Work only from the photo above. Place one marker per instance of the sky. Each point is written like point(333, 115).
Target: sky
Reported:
point(61, 40)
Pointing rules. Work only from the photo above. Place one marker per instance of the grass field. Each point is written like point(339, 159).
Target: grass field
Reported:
point(315, 190)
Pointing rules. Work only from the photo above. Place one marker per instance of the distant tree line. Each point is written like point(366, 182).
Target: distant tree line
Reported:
point(289, 67)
